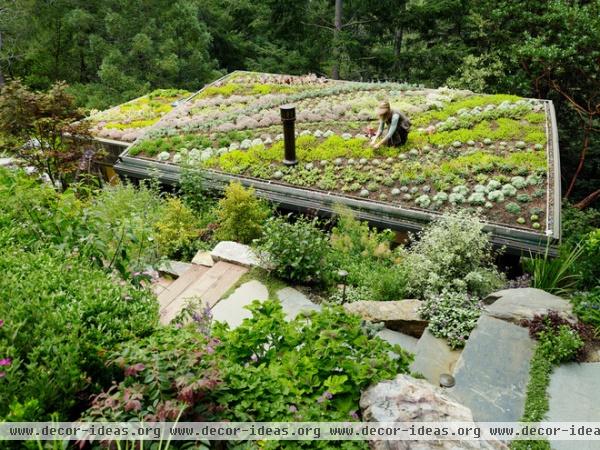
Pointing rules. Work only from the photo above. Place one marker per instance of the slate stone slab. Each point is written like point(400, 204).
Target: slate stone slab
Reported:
point(405, 341)
point(515, 305)
point(433, 357)
point(232, 309)
point(174, 268)
point(493, 371)
point(236, 253)
point(295, 302)
point(575, 397)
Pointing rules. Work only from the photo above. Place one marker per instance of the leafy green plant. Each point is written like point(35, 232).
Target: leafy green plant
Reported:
point(555, 275)
point(586, 305)
point(177, 230)
point(241, 214)
point(452, 316)
point(191, 189)
point(60, 316)
point(296, 251)
point(452, 253)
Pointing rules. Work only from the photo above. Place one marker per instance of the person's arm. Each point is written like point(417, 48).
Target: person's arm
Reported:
point(379, 131)
point(392, 130)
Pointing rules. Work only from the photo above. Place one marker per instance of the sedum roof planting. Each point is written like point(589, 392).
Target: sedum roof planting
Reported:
point(496, 154)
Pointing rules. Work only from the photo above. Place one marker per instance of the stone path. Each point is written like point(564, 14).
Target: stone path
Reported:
point(198, 283)
point(232, 310)
point(295, 302)
point(575, 397)
point(433, 357)
point(493, 371)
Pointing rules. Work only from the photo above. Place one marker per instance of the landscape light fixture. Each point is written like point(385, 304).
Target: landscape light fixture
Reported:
point(343, 275)
point(288, 119)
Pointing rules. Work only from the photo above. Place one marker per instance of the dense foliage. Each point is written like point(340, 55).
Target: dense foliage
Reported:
point(268, 369)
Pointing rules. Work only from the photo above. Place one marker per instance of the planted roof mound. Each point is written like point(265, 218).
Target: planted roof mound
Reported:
point(496, 154)
point(130, 120)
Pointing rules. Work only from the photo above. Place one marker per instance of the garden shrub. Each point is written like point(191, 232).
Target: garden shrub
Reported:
point(191, 189)
point(358, 249)
point(296, 251)
point(586, 305)
point(453, 252)
point(167, 376)
point(241, 215)
point(312, 368)
point(178, 232)
point(60, 316)
point(387, 283)
point(308, 369)
point(452, 315)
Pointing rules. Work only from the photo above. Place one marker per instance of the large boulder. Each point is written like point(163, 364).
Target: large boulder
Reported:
point(406, 399)
point(515, 305)
point(402, 315)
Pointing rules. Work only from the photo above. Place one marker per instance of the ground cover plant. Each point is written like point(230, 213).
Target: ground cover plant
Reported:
point(485, 152)
point(312, 368)
point(128, 121)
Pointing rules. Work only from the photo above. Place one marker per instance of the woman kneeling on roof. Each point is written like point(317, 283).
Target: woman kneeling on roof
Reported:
point(398, 126)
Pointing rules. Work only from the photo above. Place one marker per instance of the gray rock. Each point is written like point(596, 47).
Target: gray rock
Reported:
point(232, 309)
point(434, 357)
point(405, 341)
point(203, 258)
point(236, 253)
point(295, 302)
point(514, 305)
point(174, 268)
point(406, 399)
point(402, 315)
point(493, 371)
point(574, 397)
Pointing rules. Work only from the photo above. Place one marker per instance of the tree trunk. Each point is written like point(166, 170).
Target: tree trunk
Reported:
point(586, 143)
point(588, 200)
point(1, 74)
point(335, 73)
point(398, 36)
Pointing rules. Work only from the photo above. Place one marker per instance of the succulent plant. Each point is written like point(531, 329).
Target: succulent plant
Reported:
point(403, 188)
point(177, 158)
point(245, 144)
point(163, 156)
point(493, 185)
point(456, 198)
point(518, 182)
point(440, 197)
point(457, 144)
point(496, 196)
point(536, 225)
point(488, 205)
point(476, 198)
point(318, 133)
point(309, 166)
point(413, 190)
point(324, 162)
point(461, 189)
point(471, 143)
point(338, 161)
point(395, 192)
point(509, 190)
point(403, 156)
point(426, 188)
point(390, 160)
point(375, 162)
point(414, 152)
point(388, 181)
point(521, 220)
point(513, 208)
point(383, 197)
point(364, 193)
point(480, 188)
point(533, 180)
point(520, 144)
point(536, 211)
point(328, 133)
point(488, 141)
point(407, 197)
point(351, 162)
point(278, 175)
point(523, 198)
point(257, 141)
point(538, 193)
point(346, 136)
point(538, 147)
point(534, 217)
point(423, 201)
